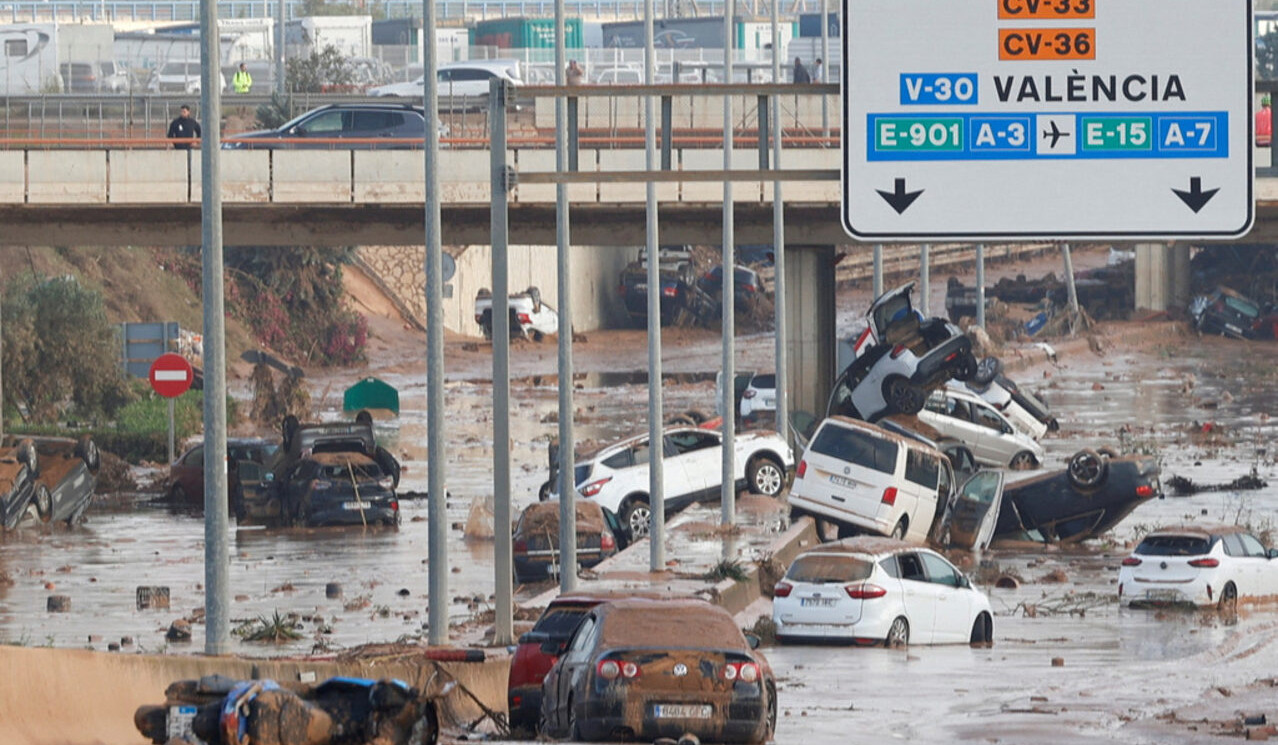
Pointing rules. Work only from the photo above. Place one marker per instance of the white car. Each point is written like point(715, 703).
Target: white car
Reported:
point(879, 591)
point(457, 80)
point(179, 77)
point(958, 413)
point(901, 356)
point(617, 476)
point(1199, 565)
point(530, 318)
point(759, 396)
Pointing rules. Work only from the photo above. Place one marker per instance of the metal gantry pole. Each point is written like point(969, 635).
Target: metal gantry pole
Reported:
point(437, 504)
point(728, 490)
point(878, 269)
point(500, 239)
point(925, 279)
point(656, 458)
point(567, 448)
point(980, 285)
point(281, 69)
point(217, 556)
point(1071, 288)
point(781, 355)
point(825, 65)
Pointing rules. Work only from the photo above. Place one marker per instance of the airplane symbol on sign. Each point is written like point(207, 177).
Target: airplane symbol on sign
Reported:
point(1055, 133)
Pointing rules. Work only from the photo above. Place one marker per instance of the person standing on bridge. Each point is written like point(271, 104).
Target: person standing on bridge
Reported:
point(242, 81)
point(800, 72)
point(184, 127)
point(574, 75)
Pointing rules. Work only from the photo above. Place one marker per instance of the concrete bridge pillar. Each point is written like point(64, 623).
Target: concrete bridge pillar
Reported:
point(811, 349)
point(1162, 276)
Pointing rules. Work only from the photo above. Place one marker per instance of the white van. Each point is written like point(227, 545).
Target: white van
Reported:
point(866, 479)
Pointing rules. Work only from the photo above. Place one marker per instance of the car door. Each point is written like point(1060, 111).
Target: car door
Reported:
point(975, 511)
point(952, 601)
point(573, 668)
point(1259, 568)
point(918, 595)
point(997, 441)
point(697, 454)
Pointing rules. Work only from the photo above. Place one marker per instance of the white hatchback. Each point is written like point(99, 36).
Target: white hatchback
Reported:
point(958, 413)
point(1202, 566)
point(616, 477)
point(879, 591)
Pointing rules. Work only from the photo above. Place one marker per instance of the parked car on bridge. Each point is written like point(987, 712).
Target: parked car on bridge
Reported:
point(96, 77)
point(1199, 566)
point(600, 535)
point(179, 76)
point(644, 669)
point(900, 358)
point(873, 591)
point(957, 413)
point(616, 477)
point(399, 126)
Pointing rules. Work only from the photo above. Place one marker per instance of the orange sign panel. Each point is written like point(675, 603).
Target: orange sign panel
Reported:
point(1024, 10)
point(1026, 44)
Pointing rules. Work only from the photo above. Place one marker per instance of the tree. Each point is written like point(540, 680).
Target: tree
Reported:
point(312, 74)
point(61, 354)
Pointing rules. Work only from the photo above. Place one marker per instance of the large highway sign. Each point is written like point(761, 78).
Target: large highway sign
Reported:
point(1007, 119)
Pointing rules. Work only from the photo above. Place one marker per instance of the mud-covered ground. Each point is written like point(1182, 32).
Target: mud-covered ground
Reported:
point(1203, 405)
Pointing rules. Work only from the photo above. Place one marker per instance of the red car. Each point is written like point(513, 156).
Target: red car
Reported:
point(540, 648)
point(186, 474)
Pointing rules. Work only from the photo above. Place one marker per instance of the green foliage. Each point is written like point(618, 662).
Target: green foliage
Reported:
point(726, 569)
point(321, 69)
point(272, 115)
point(61, 354)
point(275, 630)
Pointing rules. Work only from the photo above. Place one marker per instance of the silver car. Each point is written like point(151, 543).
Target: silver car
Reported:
point(968, 418)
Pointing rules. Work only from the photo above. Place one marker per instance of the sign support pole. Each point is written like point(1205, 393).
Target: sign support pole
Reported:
point(172, 449)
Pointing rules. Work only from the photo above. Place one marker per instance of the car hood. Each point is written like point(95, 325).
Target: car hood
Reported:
point(255, 135)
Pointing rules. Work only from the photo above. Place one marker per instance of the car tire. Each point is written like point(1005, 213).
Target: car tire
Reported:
point(764, 475)
point(966, 368)
point(1023, 461)
point(982, 630)
point(636, 515)
point(28, 456)
point(902, 526)
point(902, 396)
point(425, 730)
point(771, 725)
point(543, 494)
point(680, 420)
point(87, 450)
point(1087, 469)
point(1228, 599)
point(899, 634)
point(987, 370)
point(43, 501)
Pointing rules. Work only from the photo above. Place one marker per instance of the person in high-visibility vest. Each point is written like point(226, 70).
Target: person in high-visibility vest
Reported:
point(1264, 124)
point(242, 81)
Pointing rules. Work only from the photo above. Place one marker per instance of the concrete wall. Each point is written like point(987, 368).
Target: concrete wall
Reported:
point(1162, 276)
point(595, 271)
point(809, 277)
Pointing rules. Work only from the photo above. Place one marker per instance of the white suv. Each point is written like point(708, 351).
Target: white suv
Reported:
point(459, 83)
point(866, 479)
point(616, 477)
point(956, 412)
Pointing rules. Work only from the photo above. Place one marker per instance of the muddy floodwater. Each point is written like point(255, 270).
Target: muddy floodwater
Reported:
point(1205, 407)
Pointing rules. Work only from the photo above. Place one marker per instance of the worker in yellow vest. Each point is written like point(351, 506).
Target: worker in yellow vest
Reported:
point(242, 81)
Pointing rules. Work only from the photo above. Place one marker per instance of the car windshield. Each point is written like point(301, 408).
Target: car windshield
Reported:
point(560, 623)
point(764, 381)
point(1174, 545)
point(856, 447)
point(1245, 307)
point(824, 568)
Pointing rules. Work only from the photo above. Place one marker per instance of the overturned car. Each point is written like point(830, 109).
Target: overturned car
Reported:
point(52, 477)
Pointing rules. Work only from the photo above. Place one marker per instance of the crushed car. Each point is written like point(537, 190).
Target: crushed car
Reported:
point(1228, 313)
point(871, 591)
point(250, 457)
point(51, 478)
point(682, 301)
point(217, 710)
point(642, 669)
point(1096, 490)
point(19, 465)
point(1199, 566)
point(616, 477)
point(600, 535)
point(900, 358)
point(530, 318)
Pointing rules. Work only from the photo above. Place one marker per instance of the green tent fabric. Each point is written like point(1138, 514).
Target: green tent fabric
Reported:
point(371, 393)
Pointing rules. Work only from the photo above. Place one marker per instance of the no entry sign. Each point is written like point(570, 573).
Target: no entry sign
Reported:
point(171, 375)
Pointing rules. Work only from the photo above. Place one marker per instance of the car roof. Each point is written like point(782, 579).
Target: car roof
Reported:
point(880, 432)
point(340, 458)
point(1203, 530)
point(367, 106)
point(620, 444)
point(867, 545)
point(595, 597)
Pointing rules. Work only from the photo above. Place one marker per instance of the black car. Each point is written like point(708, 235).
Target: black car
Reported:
point(19, 465)
point(1095, 492)
point(66, 477)
point(646, 669)
point(366, 125)
point(680, 298)
point(1229, 313)
point(746, 283)
point(342, 488)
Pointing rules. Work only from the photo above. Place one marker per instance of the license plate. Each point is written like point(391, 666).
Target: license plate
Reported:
point(1162, 595)
point(817, 602)
point(842, 481)
point(178, 724)
point(641, 287)
point(683, 711)
point(356, 505)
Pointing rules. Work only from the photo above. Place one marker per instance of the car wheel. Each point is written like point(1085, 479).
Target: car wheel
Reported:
point(636, 515)
point(1023, 461)
point(982, 630)
point(87, 450)
point(899, 634)
point(902, 396)
point(899, 531)
point(426, 729)
point(43, 503)
point(772, 713)
point(1087, 469)
point(966, 368)
point(537, 336)
point(765, 476)
point(986, 370)
point(177, 495)
point(543, 494)
point(1229, 599)
point(27, 455)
